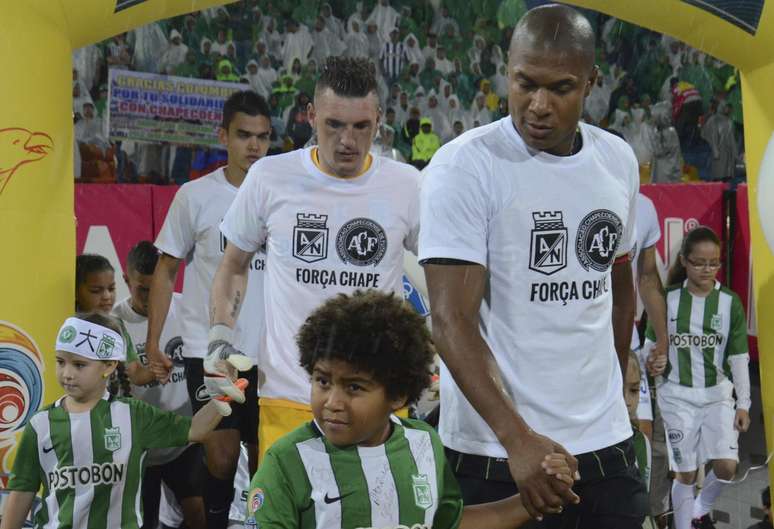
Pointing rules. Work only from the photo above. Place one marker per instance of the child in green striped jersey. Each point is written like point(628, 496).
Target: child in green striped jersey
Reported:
point(95, 290)
point(87, 449)
point(706, 363)
point(356, 465)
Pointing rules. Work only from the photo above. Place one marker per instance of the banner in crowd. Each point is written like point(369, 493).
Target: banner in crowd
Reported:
point(164, 108)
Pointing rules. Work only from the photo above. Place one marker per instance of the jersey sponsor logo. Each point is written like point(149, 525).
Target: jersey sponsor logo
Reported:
point(548, 243)
point(599, 235)
point(361, 242)
point(675, 436)
point(91, 475)
point(700, 340)
point(345, 278)
point(68, 334)
point(567, 291)
point(310, 237)
point(113, 439)
point(716, 322)
point(423, 495)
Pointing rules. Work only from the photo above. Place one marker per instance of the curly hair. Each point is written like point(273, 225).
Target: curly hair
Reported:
point(376, 333)
point(347, 77)
point(118, 384)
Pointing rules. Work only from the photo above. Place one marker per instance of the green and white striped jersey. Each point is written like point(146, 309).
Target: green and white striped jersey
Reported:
point(305, 482)
point(703, 334)
point(644, 456)
point(90, 464)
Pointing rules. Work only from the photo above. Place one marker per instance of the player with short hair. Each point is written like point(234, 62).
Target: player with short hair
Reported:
point(333, 218)
point(356, 464)
point(707, 362)
point(181, 468)
point(190, 232)
point(527, 224)
point(87, 449)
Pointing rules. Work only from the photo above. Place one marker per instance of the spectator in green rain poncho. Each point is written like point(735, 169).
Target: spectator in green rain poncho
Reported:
point(696, 73)
point(189, 68)
point(425, 144)
point(285, 92)
point(226, 72)
point(452, 43)
point(308, 80)
point(409, 26)
point(100, 104)
point(205, 51)
point(193, 31)
point(463, 84)
point(406, 81)
point(427, 75)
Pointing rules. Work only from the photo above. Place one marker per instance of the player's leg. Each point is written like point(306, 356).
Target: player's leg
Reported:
point(185, 477)
point(151, 497)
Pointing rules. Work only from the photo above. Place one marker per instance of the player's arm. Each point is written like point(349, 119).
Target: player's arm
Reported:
point(16, 507)
point(623, 310)
point(456, 291)
point(229, 286)
point(160, 297)
point(652, 295)
point(205, 420)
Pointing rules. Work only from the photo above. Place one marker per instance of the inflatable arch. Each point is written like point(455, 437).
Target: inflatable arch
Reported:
point(37, 226)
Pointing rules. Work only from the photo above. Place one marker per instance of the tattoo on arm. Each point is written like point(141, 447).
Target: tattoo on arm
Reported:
point(237, 301)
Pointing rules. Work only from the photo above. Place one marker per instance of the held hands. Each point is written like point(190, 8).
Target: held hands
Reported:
point(221, 366)
point(657, 359)
point(544, 473)
point(159, 363)
point(742, 420)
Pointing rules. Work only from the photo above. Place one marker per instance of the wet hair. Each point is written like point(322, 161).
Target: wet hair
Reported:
point(142, 258)
point(246, 101)
point(375, 332)
point(87, 264)
point(555, 28)
point(347, 77)
point(677, 273)
point(118, 383)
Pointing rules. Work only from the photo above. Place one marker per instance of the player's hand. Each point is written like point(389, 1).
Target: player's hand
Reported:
point(159, 363)
point(222, 363)
point(222, 403)
point(557, 465)
point(742, 420)
point(541, 493)
point(657, 359)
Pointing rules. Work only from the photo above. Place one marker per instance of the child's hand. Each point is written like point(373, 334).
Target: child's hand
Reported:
point(556, 465)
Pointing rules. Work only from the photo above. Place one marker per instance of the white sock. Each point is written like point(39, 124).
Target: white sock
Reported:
point(710, 491)
point(682, 503)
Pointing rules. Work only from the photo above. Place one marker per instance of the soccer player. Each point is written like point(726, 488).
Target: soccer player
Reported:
point(333, 218)
point(356, 464)
point(190, 232)
point(707, 361)
point(87, 449)
point(180, 468)
point(527, 224)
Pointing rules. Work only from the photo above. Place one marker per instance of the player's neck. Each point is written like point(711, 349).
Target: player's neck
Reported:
point(234, 175)
point(318, 162)
point(138, 309)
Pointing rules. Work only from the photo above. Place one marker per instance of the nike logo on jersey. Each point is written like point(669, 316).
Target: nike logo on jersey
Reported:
point(329, 500)
point(672, 319)
point(48, 449)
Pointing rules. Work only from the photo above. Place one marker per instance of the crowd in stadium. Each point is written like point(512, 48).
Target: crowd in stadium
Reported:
point(440, 72)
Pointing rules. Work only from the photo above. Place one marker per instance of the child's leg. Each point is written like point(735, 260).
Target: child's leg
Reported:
point(682, 499)
point(713, 486)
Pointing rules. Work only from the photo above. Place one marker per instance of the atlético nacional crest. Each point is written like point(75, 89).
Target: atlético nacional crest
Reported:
point(716, 322)
point(548, 244)
point(310, 237)
point(423, 495)
point(113, 439)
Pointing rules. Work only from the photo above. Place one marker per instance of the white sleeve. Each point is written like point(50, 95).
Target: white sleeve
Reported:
point(245, 222)
point(741, 373)
point(653, 230)
point(453, 215)
point(630, 229)
point(178, 233)
point(411, 242)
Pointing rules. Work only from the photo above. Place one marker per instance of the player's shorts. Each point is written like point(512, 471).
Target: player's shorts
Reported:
point(244, 416)
point(184, 476)
point(699, 424)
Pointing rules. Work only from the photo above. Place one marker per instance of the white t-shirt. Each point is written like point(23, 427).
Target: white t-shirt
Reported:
point(191, 232)
point(323, 236)
point(548, 229)
point(174, 395)
point(648, 234)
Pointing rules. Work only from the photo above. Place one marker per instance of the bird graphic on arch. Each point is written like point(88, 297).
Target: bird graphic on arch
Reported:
point(19, 146)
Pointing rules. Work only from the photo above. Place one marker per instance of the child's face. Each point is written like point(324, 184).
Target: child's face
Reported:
point(97, 292)
point(81, 378)
point(139, 289)
point(350, 406)
point(701, 265)
point(632, 389)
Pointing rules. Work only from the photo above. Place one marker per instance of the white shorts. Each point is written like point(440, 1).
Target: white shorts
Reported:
point(699, 424)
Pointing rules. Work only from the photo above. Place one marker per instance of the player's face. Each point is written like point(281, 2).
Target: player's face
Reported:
point(632, 389)
point(545, 97)
point(345, 127)
point(97, 292)
point(246, 140)
point(81, 378)
point(350, 407)
point(701, 265)
point(139, 290)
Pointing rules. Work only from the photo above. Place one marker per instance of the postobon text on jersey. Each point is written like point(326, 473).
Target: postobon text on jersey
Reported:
point(94, 474)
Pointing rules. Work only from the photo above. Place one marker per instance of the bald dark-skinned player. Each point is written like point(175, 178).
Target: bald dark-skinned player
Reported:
point(526, 228)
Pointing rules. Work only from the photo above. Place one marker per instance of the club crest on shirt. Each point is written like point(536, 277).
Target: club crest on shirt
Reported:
point(113, 439)
point(716, 323)
point(599, 235)
point(548, 243)
point(310, 237)
point(423, 496)
point(361, 242)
